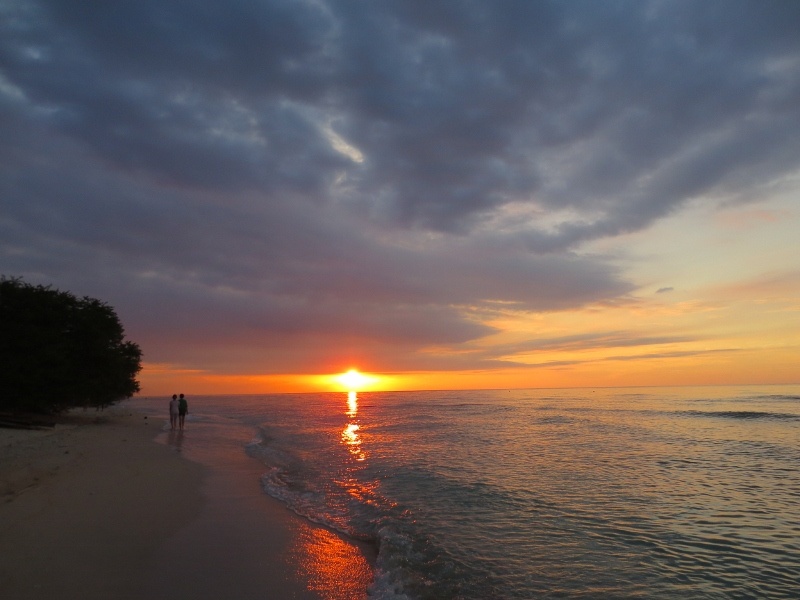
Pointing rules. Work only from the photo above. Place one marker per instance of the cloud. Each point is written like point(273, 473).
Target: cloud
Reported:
point(280, 175)
point(522, 352)
point(638, 357)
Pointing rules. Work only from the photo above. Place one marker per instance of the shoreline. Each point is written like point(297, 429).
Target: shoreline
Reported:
point(108, 504)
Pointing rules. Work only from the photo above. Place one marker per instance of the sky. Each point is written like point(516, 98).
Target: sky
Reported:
point(453, 194)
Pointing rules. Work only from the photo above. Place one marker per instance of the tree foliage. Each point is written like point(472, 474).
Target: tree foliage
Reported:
point(58, 351)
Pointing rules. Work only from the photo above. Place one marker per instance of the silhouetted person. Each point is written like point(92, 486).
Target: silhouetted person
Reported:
point(173, 412)
point(183, 408)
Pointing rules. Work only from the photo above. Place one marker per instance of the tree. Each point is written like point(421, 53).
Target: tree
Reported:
point(58, 351)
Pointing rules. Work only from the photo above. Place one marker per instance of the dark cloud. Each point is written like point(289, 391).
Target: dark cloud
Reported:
point(279, 175)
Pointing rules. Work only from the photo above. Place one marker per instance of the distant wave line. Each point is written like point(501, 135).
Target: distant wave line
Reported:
point(741, 414)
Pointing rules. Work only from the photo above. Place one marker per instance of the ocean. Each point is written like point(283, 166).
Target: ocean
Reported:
point(575, 493)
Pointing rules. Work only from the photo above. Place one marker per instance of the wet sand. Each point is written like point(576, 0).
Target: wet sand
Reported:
point(97, 508)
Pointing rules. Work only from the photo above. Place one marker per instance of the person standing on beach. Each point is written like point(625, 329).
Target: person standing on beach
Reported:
point(183, 408)
point(173, 411)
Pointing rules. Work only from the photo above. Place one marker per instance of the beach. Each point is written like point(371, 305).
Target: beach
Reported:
point(623, 493)
point(109, 505)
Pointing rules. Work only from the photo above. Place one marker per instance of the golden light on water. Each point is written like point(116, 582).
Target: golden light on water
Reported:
point(350, 435)
point(333, 568)
point(352, 403)
point(352, 440)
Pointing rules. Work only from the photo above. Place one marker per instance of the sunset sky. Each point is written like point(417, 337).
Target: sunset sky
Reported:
point(454, 194)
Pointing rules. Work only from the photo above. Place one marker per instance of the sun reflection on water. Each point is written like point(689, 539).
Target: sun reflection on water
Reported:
point(333, 568)
point(352, 403)
point(350, 436)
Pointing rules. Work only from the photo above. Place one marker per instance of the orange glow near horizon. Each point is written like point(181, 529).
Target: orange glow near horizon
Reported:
point(567, 368)
point(355, 381)
point(352, 380)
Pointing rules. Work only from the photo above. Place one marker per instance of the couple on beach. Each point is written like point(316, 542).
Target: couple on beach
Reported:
point(177, 411)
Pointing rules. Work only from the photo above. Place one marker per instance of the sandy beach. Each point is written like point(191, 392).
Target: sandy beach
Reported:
point(107, 505)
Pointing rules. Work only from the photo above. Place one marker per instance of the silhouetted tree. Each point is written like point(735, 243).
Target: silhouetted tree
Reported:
point(58, 351)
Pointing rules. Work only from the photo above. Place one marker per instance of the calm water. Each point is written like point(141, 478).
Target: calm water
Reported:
point(626, 493)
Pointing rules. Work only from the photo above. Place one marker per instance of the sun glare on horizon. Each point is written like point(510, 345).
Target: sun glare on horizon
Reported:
point(353, 380)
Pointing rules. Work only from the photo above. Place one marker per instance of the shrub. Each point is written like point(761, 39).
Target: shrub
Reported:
point(58, 351)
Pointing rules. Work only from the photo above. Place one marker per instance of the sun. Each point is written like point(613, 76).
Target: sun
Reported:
point(353, 380)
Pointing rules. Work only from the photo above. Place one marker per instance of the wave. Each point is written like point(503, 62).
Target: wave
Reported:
point(741, 414)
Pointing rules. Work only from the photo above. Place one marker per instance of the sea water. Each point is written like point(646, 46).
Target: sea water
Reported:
point(603, 494)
